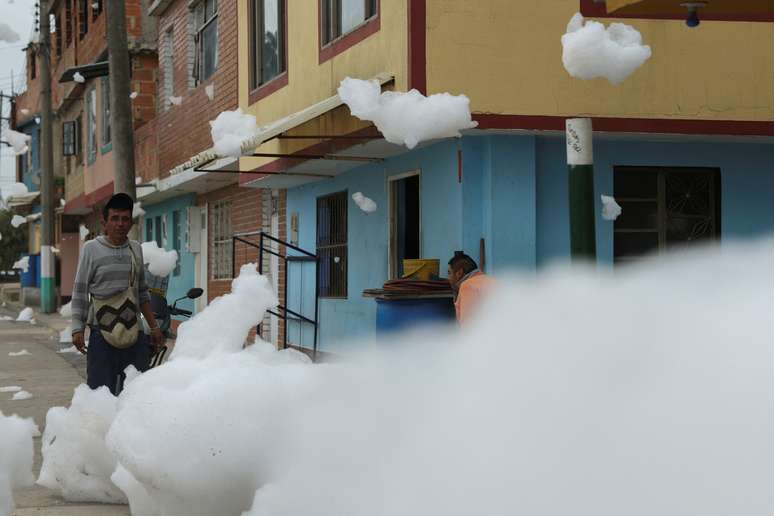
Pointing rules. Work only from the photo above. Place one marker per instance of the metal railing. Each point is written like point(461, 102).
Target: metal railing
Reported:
point(283, 312)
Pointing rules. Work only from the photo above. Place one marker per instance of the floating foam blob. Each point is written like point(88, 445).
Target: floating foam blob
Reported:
point(137, 210)
point(77, 77)
point(160, 262)
point(229, 130)
point(611, 210)
point(591, 51)
point(66, 310)
point(76, 462)
point(176, 100)
point(22, 264)
point(366, 204)
point(407, 118)
point(18, 220)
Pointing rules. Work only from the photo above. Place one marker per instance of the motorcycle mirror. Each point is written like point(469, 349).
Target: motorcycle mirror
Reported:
point(194, 293)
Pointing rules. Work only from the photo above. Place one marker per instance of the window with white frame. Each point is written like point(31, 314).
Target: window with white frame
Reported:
point(205, 16)
point(91, 125)
point(267, 29)
point(106, 132)
point(339, 17)
point(221, 240)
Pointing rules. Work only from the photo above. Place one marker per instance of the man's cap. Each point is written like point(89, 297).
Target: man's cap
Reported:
point(120, 201)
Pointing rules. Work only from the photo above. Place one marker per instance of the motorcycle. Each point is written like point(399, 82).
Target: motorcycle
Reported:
point(163, 314)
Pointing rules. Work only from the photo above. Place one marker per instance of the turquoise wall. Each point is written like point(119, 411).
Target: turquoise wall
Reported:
point(178, 284)
point(747, 186)
point(513, 194)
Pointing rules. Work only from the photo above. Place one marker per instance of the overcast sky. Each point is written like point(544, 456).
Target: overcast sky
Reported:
point(18, 15)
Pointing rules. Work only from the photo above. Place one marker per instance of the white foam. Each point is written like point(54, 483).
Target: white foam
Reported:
point(407, 118)
point(25, 315)
point(18, 220)
point(591, 51)
point(229, 130)
point(16, 456)
point(159, 261)
point(366, 204)
point(21, 395)
point(611, 210)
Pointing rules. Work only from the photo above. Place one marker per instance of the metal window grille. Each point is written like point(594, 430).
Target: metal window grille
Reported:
point(58, 34)
point(78, 137)
point(33, 64)
point(167, 67)
point(68, 22)
point(205, 39)
point(340, 17)
point(106, 132)
point(332, 244)
point(221, 240)
point(664, 208)
point(176, 239)
point(267, 29)
point(68, 138)
point(83, 18)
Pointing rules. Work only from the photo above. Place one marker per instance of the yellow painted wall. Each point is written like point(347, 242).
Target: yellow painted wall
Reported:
point(101, 172)
point(310, 81)
point(506, 56)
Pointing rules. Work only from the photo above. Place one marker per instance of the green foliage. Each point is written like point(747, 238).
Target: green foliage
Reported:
point(13, 243)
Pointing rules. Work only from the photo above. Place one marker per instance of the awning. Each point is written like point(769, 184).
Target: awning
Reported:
point(218, 174)
point(88, 71)
point(20, 201)
point(721, 8)
point(276, 128)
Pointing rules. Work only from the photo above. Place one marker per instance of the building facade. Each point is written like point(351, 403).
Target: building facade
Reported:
point(684, 144)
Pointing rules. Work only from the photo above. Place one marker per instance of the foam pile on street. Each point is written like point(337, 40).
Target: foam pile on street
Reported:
point(25, 314)
point(159, 261)
point(592, 51)
point(230, 130)
point(66, 310)
point(76, 462)
point(407, 118)
point(16, 456)
point(576, 392)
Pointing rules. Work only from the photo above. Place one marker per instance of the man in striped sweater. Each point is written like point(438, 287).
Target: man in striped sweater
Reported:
point(104, 270)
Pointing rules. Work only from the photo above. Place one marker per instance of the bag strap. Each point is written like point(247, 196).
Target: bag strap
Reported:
point(133, 272)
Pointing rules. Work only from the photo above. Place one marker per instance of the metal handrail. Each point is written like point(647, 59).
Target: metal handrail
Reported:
point(262, 248)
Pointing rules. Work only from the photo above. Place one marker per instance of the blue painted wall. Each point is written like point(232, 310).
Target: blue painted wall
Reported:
point(747, 186)
point(178, 284)
point(514, 196)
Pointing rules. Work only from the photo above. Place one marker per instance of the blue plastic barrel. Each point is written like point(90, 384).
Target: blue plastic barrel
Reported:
point(35, 268)
point(403, 314)
point(27, 279)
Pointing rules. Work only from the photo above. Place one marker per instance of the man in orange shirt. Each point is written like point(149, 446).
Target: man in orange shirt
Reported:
point(469, 285)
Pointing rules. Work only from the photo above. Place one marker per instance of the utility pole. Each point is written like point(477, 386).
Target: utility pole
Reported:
point(121, 120)
point(580, 165)
point(47, 264)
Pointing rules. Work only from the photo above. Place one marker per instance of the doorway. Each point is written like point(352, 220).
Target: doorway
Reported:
point(405, 221)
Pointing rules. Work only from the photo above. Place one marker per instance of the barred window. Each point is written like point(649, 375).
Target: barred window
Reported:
point(70, 138)
point(58, 35)
point(83, 18)
point(332, 244)
point(68, 22)
point(221, 241)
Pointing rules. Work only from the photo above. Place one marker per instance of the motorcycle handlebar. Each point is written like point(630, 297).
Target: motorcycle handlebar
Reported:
point(180, 311)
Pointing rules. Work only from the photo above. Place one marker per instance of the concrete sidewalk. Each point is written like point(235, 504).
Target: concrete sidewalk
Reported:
point(51, 378)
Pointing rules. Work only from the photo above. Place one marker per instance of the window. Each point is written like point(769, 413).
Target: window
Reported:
point(404, 222)
point(149, 229)
point(221, 241)
point(332, 244)
point(96, 8)
point(69, 138)
point(664, 208)
point(91, 125)
point(205, 39)
point(106, 131)
point(78, 134)
point(58, 35)
point(68, 22)
point(339, 17)
point(268, 41)
point(159, 239)
point(83, 20)
point(167, 68)
point(176, 239)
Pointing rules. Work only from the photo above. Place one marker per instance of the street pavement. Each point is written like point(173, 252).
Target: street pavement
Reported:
point(51, 378)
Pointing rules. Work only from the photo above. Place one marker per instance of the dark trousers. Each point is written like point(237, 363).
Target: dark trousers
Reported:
point(105, 364)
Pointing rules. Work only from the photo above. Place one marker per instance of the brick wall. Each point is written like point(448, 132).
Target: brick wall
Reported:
point(184, 130)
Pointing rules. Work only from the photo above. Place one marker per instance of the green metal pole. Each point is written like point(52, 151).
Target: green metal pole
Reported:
point(580, 165)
